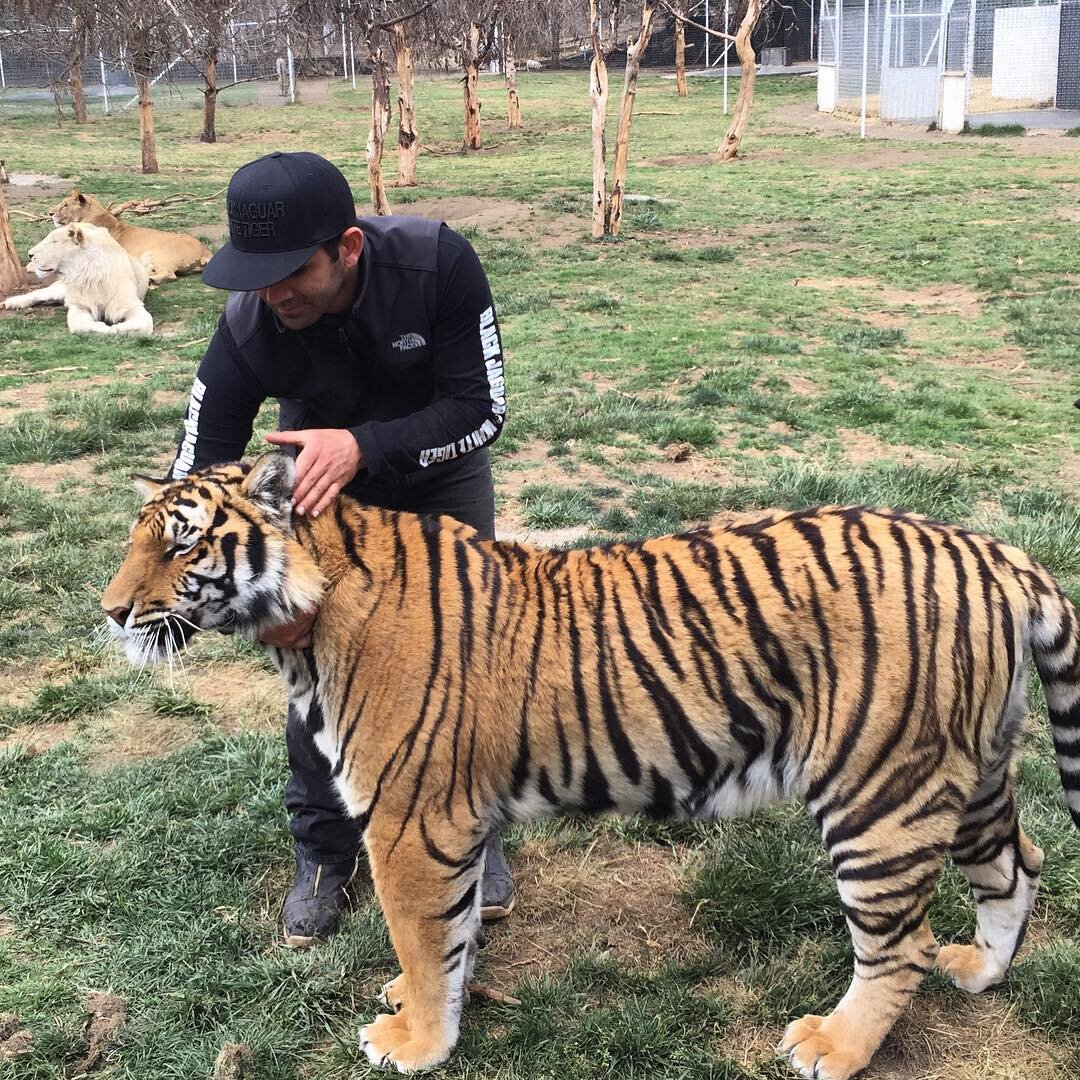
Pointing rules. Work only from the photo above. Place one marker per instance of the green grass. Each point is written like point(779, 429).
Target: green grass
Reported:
point(888, 322)
point(990, 130)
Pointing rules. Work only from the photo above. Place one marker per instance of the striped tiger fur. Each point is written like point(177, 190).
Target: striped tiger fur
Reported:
point(870, 662)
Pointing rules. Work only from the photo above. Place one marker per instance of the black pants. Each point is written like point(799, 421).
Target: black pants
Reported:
point(317, 819)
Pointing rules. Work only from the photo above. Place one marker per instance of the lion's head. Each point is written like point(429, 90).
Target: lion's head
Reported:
point(62, 247)
point(79, 207)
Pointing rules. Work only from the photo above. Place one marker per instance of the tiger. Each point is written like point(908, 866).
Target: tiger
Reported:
point(872, 662)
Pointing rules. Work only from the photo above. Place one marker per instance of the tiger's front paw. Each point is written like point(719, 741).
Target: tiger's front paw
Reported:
point(390, 1043)
point(815, 1047)
point(16, 303)
point(970, 967)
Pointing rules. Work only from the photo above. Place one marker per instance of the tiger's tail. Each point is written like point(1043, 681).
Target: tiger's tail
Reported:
point(1055, 646)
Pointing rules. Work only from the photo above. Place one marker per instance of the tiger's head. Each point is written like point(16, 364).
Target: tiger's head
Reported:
point(213, 551)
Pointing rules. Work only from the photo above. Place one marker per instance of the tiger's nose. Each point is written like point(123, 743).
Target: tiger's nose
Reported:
point(119, 615)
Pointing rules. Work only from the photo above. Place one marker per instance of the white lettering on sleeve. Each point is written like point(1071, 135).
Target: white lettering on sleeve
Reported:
point(185, 459)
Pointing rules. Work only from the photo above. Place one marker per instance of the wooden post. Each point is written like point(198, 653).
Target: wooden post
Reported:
point(471, 64)
point(634, 53)
point(680, 50)
point(11, 271)
point(210, 93)
point(408, 139)
point(380, 121)
point(740, 117)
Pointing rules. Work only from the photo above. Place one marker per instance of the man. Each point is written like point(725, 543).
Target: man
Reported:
point(378, 337)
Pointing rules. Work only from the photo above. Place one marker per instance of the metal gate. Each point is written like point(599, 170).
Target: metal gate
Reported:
point(913, 59)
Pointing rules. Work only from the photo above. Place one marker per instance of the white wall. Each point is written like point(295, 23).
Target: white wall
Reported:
point(1026, 52)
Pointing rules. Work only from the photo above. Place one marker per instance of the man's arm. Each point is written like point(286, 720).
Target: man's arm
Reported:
point(224, 402)
point(470, 407)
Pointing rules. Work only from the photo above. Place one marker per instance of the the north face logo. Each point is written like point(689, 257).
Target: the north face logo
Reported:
point(409, 341)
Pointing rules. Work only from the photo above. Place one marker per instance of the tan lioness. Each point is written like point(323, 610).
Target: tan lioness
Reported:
point(170, 253)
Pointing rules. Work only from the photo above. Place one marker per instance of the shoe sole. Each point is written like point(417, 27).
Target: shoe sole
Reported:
point(497, 912)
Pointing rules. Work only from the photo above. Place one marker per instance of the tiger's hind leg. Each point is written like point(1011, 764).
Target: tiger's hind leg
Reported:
point(429, 890)
point(885, 872)
point(1002, 867)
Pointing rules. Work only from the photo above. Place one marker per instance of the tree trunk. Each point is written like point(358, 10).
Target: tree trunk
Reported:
point(210, 93)
point(598, 91)
point(471, 64)
point(513, 102)
point(634, 53)
point(76, 59)
point(146, 123)
point(740, 118)
point(408, 140)
point(680, 50)
point(380, 121)
point(11, 272)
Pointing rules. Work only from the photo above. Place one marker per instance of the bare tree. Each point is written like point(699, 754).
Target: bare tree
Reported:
point(203, 26)
point(146, 34)
point(748, 13)
point(680, 50)
point(58, 32)
point(467, 28)
point(380, 121)
point(634, 52)
point(603, 41)
point(513, 101)
point(408, 136)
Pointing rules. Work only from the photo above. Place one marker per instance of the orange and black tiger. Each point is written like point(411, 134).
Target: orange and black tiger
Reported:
point(871, 662)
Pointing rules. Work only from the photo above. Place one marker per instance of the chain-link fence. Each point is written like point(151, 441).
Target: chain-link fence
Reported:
point(253, 67)
point(948, 61)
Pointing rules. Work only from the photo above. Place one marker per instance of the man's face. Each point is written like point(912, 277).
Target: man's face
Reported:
point(305, 296)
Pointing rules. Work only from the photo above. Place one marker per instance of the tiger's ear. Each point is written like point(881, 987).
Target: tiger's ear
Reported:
point(147, 486)
point(269, 485)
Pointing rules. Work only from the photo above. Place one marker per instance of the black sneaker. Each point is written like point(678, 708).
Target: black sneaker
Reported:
point(497, 892)
point(317, 899)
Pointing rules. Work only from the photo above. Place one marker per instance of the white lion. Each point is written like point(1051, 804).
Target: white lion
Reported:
point(101, 285)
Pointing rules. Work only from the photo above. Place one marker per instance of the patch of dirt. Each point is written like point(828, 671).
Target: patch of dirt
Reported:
point(34, 396)
point(21, 679)
point(234, 1062)
point(36, 738)
point(694, 468)
point(950, 299)
point(685, 159)
point(799, 384)
point(13, 1039)
point(245, 698)
point(1004, 358)
point(618, 898)
point(506, 218)
point(48, 478)
point(936, 1038)
point(107, 1015)
point(862, 448)
point(130, 732)
point(1069, 213)
point(1069, 471)
point(27, 186)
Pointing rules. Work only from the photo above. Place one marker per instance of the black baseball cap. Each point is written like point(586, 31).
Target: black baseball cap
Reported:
point(281, 208)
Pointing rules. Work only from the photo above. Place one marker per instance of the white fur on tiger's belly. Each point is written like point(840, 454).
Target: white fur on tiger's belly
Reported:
point(737, 796)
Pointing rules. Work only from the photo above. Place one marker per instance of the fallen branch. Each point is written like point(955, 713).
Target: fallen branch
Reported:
point(148, 206)
point(491, 994)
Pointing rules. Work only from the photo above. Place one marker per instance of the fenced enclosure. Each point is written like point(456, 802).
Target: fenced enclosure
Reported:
point(944, 61)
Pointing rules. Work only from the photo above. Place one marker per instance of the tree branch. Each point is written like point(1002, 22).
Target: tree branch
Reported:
point(696, 25)
point(404, 18)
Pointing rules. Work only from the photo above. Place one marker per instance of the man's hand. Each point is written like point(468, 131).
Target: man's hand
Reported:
point(329, 458)
point(295, 634)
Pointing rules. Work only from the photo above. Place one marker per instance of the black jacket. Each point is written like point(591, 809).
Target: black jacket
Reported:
point(414, 369)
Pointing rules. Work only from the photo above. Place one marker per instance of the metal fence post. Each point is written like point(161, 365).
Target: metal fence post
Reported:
point(292, 73)
point(344, 52)
point(708, 37)
point(865, 59)
point(232, 39)
point(104, 82)
point(727, 48)
point(3, 78)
